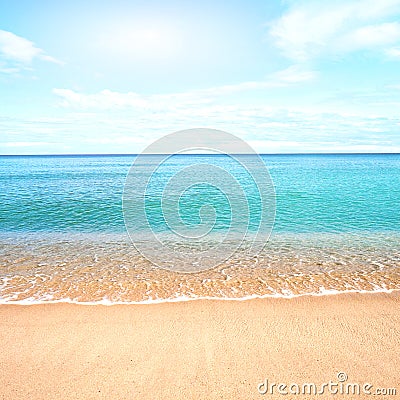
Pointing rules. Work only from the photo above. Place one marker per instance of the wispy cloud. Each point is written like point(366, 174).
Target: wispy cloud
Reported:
point(135, 120)
point(25, 144)
point(310, 29)
point(269, 130)
point(393, 52)
point(107, 99)
point(102, 100)
point(17, 53)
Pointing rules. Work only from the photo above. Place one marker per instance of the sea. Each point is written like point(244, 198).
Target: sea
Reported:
point(69, 233)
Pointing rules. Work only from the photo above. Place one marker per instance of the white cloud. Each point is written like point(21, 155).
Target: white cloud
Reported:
point(104, 99)
point(393, 52)
point(309, 29)
point(6, 69)
point(267, 130)
point(107, 99)
point(25, 144)
point(371, 36)
point(18, 53)
point(294, 74)
point(17, 48)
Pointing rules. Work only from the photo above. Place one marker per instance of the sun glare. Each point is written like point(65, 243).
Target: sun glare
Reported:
point(153, 42)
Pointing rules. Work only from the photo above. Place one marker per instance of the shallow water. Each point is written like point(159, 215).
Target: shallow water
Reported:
point(98, 268)
point(62, 232)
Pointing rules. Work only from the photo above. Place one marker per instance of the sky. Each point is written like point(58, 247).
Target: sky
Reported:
point(113, 76)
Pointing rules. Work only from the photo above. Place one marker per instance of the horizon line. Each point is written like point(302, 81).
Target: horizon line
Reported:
point(192, 154)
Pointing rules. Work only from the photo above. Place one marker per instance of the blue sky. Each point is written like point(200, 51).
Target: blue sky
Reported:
point(112, 77)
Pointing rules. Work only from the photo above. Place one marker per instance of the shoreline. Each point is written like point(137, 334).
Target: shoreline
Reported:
point(197, 349)
point(183, 299)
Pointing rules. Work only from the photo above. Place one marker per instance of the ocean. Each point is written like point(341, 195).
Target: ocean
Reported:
point(333, 225)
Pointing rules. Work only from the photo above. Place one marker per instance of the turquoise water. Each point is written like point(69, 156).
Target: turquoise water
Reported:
point(314, 193)
point(63, 235)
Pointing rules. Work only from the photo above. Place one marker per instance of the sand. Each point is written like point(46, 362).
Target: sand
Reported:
point(199, 349)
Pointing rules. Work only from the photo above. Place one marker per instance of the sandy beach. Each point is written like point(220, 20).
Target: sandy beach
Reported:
point(199, 349)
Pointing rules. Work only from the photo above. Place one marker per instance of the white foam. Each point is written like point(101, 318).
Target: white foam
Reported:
point(108, 302)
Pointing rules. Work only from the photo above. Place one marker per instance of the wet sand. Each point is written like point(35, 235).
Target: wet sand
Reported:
point(104, 268)
point(198, 349)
